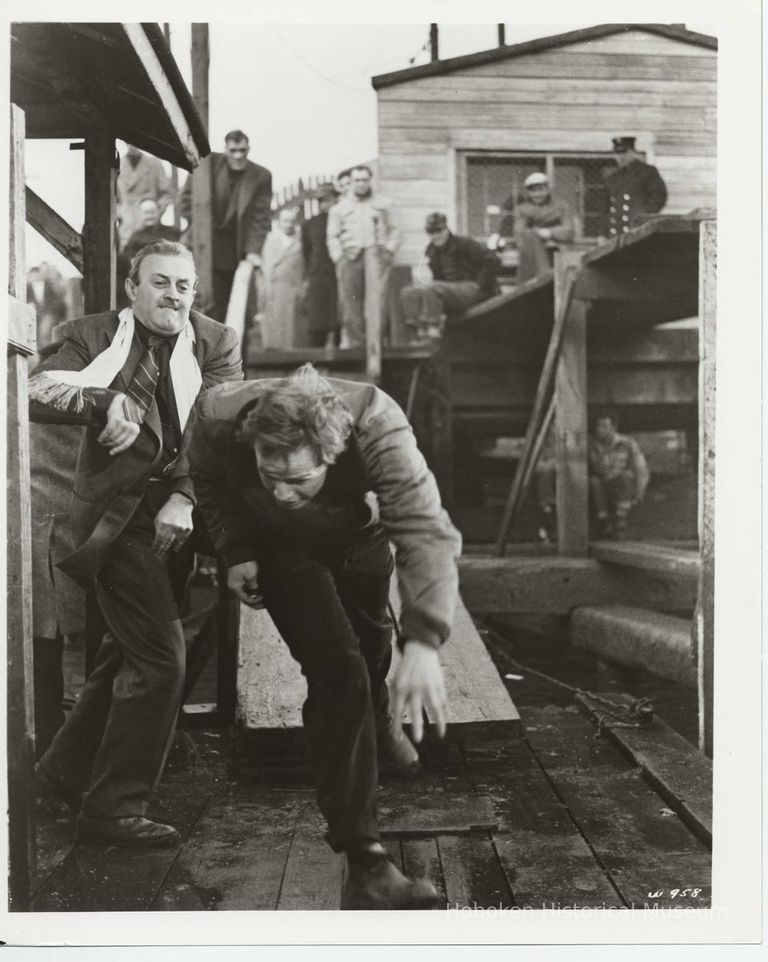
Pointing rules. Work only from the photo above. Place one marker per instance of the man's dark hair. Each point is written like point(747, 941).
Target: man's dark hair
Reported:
point(364, 167)
point(236, 137)
point(605, 414)
point(165, 248)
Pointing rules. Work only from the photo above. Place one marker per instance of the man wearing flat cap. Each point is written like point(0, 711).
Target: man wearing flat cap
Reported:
point(463, 273)
point(635, 189)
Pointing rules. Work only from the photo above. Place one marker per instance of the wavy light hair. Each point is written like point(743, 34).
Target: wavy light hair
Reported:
point(165, 248)
point(302, 410)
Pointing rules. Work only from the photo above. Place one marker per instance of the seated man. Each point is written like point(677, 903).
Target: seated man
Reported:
point(302, 483)
point(463, 273)
point(618, 475)
point(541, 223)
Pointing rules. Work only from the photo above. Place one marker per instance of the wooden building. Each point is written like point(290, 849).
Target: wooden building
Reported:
point(460, 135)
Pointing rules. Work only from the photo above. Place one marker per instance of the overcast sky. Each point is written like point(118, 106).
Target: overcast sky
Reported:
point(301, 91)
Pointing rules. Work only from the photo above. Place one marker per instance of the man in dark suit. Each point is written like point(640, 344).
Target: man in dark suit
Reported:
point(635, 189)
point(242, 217)
point(320, 284)
point(132, 379)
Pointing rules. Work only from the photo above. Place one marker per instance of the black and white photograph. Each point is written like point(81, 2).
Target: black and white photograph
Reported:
point(373, 417)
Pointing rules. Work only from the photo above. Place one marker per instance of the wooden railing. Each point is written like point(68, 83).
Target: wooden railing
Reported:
point(303, 195)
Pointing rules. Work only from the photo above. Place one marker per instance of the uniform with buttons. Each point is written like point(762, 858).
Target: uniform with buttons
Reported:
point(633, 191)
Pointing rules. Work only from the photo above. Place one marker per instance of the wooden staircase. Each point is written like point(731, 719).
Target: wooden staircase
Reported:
point(642, 636)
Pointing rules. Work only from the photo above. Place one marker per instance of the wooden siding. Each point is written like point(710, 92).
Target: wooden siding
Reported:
point(571, 99)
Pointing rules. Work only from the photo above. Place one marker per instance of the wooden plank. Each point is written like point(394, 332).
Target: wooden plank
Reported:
point(54, 229)
point(435, 814)
point(161, 85)
point(679, 773)
point(556, 585)
point(705, 612)
point(99, 250)
point(643, 846)
point(555, 91)
point(541, 401)
point(421, 859)
point(22, 328)
point(614, 67)
point(20, 717)
point(611, 347)
point(473, 875)
point(271, 688)
point(646, 849)
point(628, 284)
point(570, 393)
point(546, 861)
point(488, 114)
point(97, 878)
point(313, 873)
point(236, 856)
point(633, 636)
point(649, 556)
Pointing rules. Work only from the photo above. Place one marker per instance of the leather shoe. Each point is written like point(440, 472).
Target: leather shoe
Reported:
point(383, 886)
point(133, 830)
point(395, 750)
point(46, 786)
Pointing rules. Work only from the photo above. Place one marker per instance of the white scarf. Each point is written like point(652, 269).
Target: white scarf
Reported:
point(58, 388)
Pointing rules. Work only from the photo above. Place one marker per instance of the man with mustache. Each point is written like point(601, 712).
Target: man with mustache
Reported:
point(132, 378)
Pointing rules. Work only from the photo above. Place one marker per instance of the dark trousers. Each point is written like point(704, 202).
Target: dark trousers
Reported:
point(425, 304)
point(116, 738)
point(613, 494)
point(330, 606)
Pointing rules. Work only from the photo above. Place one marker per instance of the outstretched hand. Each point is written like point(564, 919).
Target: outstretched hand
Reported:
point(419, 685)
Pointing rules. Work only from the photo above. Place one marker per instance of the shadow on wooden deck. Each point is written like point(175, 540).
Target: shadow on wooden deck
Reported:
point(554, 817)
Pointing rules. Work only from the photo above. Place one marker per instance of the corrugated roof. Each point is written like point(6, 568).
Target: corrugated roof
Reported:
point(538, 46)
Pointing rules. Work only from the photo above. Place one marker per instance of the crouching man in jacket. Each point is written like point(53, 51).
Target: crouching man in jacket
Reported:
point(302, 483)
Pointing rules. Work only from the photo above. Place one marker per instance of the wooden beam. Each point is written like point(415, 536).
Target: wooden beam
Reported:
point(159, 80)
point(20, 718)
point(202, 178)
point(555, 585)
point(99, 242)
point(54, 229)
point(618, 283)
point(571, 415)
point(540, 406)
point(22, 327)
point(704, 625)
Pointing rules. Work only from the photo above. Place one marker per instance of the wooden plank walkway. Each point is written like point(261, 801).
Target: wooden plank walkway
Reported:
point(557, 818)
point(271, 688)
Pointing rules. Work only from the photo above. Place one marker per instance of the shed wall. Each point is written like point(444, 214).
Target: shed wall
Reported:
point(573, 98)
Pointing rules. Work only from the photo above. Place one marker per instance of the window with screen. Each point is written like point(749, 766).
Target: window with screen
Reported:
point(493, 185)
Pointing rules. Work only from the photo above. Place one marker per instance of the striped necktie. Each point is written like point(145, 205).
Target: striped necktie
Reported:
point(141, 390)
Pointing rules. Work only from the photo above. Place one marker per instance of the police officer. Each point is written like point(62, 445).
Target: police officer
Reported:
point(634, 189)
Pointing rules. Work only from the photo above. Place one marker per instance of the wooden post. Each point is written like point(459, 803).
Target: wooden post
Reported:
point(21, 344)
point(99, 238)
point(704, 626)
point(434, 53)
point(174, 170)
point(202, 185)
point(571, 418)
point(501, 34)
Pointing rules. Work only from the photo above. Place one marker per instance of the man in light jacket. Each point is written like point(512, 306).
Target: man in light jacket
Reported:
point(362, 240)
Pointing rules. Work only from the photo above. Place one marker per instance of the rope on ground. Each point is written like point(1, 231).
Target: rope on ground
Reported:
point(637, 714)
